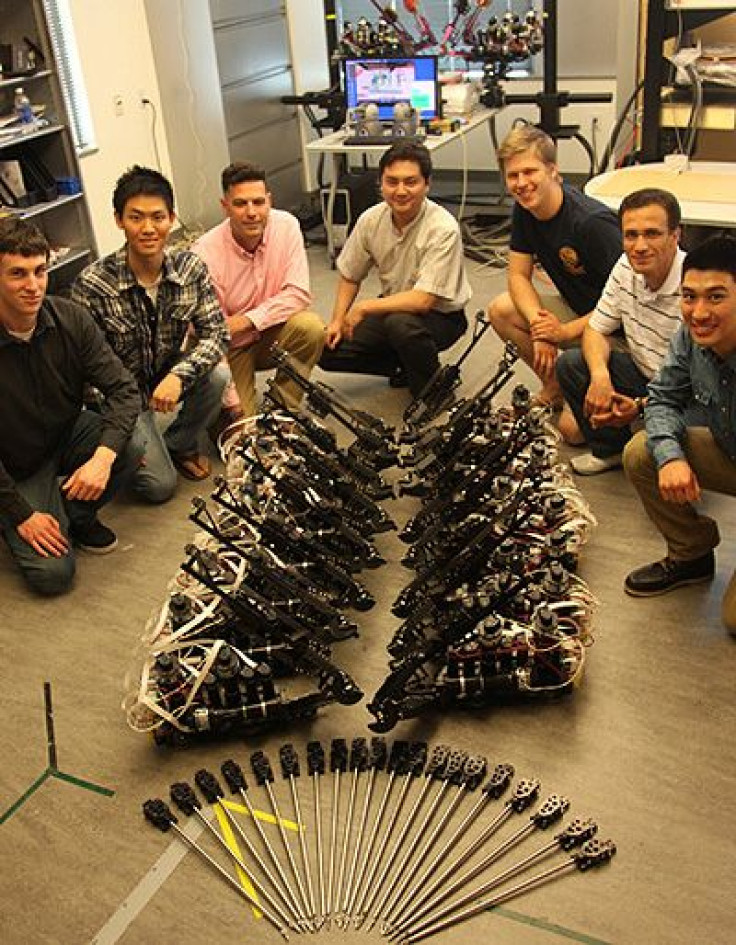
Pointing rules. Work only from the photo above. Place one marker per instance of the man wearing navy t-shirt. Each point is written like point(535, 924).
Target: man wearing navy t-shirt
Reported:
point(575, 239)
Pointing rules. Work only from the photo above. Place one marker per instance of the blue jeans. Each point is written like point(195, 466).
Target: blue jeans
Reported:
point(156, 480)
point(51, 576)
point(574, 378)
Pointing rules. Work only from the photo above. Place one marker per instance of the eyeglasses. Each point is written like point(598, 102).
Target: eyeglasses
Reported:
point(650, 236)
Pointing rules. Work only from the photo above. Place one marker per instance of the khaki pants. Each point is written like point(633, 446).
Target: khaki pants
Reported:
point(303, 336)
point(689, 534)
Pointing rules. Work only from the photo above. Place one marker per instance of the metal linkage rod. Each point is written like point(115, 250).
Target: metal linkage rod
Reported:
point(213, 794)
point(358, 764)
point(467, 779)
point(235, 779)
point(575, 834)
point(264, 778)
point(290, 771)
point(451, 774)
point(593, 853)
point(525, 793)
point(188, 803)
point(316, 769)
point(160, 815)
point(397, 765)
point(412, 766)
point(548, 813)
point(433, 772)
point(338, 766)
point(494, 788)
point(376, 762)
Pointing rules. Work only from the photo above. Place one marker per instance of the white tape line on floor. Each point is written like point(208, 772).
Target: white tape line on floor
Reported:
point(136, 902)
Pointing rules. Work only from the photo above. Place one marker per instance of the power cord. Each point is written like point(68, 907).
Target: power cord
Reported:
point(147, 103)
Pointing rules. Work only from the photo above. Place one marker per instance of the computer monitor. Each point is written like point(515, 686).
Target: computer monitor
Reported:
point(386, 81)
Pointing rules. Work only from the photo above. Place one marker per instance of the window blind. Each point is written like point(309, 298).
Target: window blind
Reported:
point(71, 80)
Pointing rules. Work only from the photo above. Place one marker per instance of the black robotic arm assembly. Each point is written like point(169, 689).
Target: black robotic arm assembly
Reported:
point(264, 593)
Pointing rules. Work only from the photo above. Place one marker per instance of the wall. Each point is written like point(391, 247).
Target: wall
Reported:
point(255, 67)
point(116, 56)
point(308, 45)
point(186, 68)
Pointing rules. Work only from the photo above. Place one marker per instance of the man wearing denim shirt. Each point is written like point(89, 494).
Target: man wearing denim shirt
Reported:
point(672, 463)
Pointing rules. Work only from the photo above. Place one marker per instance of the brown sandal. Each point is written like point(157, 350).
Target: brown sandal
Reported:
point(193, 466)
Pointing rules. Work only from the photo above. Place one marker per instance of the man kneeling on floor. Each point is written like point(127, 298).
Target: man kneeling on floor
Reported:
point(577, 241)
point(58, 463)
point(258, 265)
point(672, 463)
point(417, 249)
point(161, 316)
point(605, 384)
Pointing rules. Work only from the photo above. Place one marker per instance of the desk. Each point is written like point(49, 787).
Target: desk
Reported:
point(706, 191)
point(335, 146)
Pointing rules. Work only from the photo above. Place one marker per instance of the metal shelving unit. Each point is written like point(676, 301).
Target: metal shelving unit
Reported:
point(65, 219)
point(25, 79)
point(659, 107)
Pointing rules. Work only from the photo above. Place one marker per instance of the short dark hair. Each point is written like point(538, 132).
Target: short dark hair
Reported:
point(717, 253)
point(139, 180)
point(649, 196)
point(406, 151)
point(240, 172)
point(21, 238)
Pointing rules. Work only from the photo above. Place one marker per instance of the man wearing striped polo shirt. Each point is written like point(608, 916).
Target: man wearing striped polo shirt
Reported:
point(604, 385)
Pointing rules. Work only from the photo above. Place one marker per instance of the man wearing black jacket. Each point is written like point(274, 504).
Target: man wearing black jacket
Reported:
point(59, 463)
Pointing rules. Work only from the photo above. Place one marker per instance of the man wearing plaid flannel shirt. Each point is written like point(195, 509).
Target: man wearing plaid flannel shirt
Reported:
point(161, 316)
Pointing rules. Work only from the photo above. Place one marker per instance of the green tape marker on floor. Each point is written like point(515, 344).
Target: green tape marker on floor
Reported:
point(24, 797)
point(52, 771)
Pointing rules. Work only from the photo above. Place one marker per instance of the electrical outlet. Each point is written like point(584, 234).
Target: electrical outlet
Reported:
point(118, 106)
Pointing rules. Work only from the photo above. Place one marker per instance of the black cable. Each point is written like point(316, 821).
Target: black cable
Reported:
point(582, 140)
point(616, 130)
point(147, 102)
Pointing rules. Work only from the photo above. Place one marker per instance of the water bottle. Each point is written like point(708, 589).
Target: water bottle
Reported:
point(22, 106)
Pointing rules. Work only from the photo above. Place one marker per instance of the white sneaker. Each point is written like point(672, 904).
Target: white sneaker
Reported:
point(589, 465)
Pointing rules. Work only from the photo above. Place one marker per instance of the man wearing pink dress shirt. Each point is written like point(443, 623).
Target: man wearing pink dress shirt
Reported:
point(258, 265)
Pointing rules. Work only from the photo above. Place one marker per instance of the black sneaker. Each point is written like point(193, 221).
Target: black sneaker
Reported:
point(97, 539)
point(666, 575)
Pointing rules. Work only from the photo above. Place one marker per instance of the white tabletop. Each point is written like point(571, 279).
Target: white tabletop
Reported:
point(704, 212)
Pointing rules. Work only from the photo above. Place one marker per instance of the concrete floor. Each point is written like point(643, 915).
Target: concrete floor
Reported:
point(645, 746)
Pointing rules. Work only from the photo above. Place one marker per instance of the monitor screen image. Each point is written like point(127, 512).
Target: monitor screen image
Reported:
point(388, 81)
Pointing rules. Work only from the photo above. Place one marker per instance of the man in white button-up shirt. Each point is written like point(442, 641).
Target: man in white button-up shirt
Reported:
point(416, 247)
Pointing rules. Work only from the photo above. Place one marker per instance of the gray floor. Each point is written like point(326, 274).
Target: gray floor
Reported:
point(645, 746)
